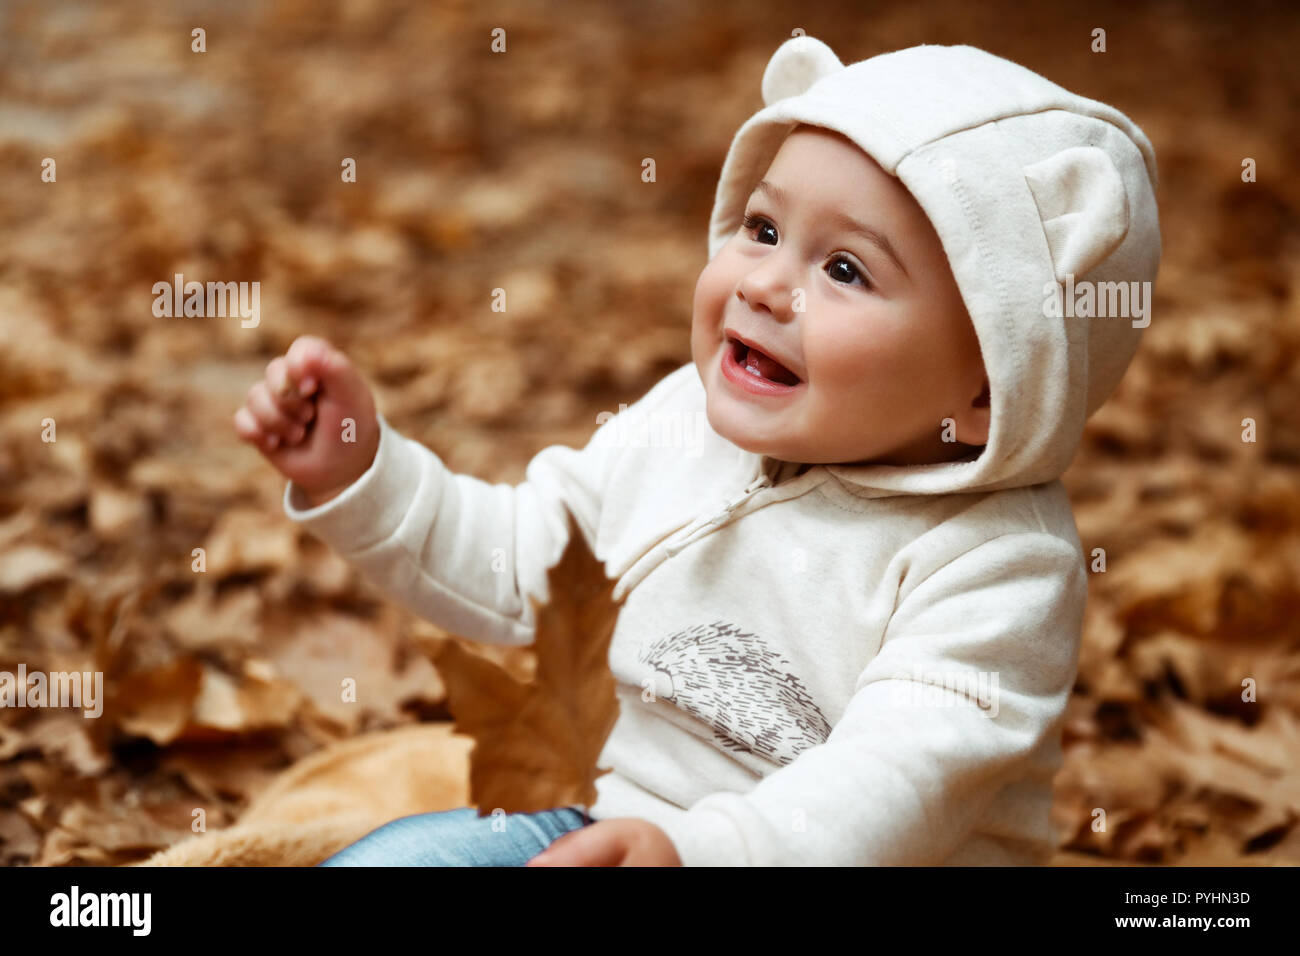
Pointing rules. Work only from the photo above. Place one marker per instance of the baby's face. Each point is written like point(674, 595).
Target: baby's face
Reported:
point(881, 343)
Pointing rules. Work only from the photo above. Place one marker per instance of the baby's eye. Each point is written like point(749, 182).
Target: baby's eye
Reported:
point(852, 270)
point(751, 222)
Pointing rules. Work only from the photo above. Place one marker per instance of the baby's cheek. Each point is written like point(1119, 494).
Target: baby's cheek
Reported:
point(711, 287)
point(847, 363)
point(707, 316)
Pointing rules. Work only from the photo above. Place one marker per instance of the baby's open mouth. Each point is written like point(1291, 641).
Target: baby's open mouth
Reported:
point(764, 366)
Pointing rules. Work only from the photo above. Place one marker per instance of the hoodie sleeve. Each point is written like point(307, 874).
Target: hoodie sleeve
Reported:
point(912, 764)
point(452, 548)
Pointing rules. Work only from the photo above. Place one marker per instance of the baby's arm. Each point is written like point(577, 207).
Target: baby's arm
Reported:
point(911, 767)
point(458, 551)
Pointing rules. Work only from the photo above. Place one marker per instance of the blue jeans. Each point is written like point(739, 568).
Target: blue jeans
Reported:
point(460, 838)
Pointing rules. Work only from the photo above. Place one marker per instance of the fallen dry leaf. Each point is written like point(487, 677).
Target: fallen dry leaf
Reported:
point(28, 565)
point(157, 704)
point(536, 743)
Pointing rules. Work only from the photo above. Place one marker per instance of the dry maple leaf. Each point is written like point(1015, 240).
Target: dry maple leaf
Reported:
point(537, 741)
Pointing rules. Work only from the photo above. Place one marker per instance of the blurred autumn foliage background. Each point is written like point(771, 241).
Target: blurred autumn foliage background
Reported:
point(522, 170)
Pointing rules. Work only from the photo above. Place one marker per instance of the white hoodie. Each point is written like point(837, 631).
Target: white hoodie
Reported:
point(853, 665)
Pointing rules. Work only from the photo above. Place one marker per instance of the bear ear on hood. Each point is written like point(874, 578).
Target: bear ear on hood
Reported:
point(797, 64)
point(1083, 206)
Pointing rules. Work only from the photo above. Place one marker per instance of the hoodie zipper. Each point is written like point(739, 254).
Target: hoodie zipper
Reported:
point(702, 526)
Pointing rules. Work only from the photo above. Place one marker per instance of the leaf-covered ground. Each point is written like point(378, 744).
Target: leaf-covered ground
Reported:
point(522, 171)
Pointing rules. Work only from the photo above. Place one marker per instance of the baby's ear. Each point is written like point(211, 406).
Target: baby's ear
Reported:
point(797, 64)
point(1083, 207)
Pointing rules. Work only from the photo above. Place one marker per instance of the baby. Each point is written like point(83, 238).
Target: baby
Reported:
point(852, 617)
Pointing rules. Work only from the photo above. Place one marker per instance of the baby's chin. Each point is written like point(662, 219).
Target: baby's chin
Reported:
point(732, 423)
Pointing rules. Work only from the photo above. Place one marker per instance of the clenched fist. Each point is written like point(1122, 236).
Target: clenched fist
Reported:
point(296, 417)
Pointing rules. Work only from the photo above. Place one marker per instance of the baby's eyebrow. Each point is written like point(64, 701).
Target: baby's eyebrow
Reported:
point(844, 222)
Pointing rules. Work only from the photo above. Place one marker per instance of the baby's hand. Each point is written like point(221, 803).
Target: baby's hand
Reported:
point(295, 417)
point(616, 841)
